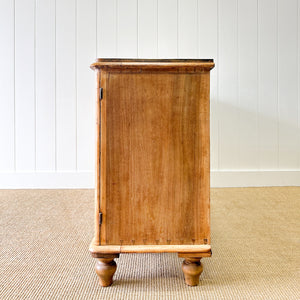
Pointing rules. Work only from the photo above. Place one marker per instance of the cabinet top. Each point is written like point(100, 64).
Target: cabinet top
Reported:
point(154, 64)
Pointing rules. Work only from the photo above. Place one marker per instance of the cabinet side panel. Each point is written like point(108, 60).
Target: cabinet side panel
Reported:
point(204, 167)
point(156, 183)
point(97, 162)
point(103, 157)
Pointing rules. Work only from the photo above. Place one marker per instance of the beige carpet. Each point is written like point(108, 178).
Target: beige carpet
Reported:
point(45, 236)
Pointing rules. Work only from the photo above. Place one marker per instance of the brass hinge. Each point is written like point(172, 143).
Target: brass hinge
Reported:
point(100, 218)
point(100, 93)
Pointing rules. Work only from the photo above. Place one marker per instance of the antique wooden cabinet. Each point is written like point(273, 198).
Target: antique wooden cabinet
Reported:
point(152, 161)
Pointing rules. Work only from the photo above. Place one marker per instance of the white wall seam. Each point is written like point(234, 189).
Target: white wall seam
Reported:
point(177, 31)
point(238, 83)
point(277, 83)
point(117, 27)
point(34, 83)
point(298, 90)
point(218, 83)
point(76, 89)
point(258, 79)
point(257, 91)
point(137, 28)
point(15, 152)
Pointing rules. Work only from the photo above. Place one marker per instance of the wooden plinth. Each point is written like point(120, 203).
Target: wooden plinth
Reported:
point(191, 266)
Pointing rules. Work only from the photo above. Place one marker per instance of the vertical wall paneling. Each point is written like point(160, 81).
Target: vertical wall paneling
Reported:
point(208, 29)
point(248, 84)
point(208, 48)
point(167, 28)
point(106, 28)
point(47, 91)
point(127, 32)
point(187, 29)
point(85, 84)
point(147, 28)
point(7, 65)
point(267, 85)
point(25, 85)
point(45, 85)
point(66, 97)
point(228, 85)
point(288, 84)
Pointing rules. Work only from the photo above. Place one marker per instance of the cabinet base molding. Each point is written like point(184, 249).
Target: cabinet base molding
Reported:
point(191, 266)
point(114, 249)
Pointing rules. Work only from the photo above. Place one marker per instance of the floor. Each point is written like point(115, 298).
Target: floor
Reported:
point(45, 234)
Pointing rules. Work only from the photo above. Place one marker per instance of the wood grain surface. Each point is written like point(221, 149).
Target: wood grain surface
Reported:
point(154, 161)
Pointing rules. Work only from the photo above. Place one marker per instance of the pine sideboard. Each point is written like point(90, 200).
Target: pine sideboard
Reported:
point(152, 161)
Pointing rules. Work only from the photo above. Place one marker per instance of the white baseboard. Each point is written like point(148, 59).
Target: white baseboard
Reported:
point(85, 179)
point(245, 178)
point(47, 180)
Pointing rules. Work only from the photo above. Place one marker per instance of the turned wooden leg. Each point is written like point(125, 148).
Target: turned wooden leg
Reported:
point(192, 268)
point(105, 269)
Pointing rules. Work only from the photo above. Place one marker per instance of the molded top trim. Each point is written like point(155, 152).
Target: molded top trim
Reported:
point(154, 64)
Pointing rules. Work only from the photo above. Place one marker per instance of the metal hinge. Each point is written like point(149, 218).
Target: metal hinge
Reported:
point(100, 93)
point(100, 218)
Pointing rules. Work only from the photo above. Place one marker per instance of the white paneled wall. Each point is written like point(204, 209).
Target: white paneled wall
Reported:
point(47, 89)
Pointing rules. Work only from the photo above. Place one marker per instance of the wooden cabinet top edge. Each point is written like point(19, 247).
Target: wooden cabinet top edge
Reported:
point(154, 64)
